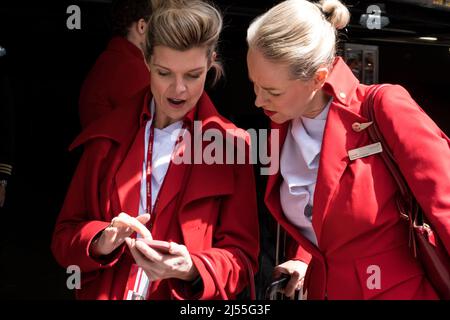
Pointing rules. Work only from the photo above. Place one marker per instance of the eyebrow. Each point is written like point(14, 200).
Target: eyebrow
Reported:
point(265, 88)
point(192, 70)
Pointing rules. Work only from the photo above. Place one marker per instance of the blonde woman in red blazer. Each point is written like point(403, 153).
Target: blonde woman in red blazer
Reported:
point(351, 243)
point(204, 212)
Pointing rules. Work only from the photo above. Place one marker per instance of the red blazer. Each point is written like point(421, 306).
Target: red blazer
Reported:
point(354, 215)
point(119, 73)
point(218, 211)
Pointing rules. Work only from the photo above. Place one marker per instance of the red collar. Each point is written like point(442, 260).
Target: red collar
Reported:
point(341, 84)
point(119, 124)
point(121, 44)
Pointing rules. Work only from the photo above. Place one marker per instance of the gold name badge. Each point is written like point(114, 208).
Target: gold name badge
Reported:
point(365, 151)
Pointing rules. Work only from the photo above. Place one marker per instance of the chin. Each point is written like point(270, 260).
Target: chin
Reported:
point(279, 120)
point(180, 113)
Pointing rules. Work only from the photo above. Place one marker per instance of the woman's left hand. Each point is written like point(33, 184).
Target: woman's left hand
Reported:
point(176, 264)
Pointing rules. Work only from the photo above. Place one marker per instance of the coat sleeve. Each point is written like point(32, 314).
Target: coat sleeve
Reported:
point(80, 219)
point(236, 235)
point(422, 152)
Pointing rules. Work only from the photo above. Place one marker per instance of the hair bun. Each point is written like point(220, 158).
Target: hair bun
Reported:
point(336, 13)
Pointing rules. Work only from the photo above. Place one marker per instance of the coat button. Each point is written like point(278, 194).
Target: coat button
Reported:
point(342, 95)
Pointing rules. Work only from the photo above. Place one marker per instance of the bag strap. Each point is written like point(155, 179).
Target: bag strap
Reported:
point(407, 204)
point(250, 274)
point(368, 110)
point(214, 275)
point(219, 286)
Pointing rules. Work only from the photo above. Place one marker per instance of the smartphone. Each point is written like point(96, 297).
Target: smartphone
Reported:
point(276, 286)
point(161, 246)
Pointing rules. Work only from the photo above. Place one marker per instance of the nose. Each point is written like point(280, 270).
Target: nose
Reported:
point(180, 86)
point(260, 100)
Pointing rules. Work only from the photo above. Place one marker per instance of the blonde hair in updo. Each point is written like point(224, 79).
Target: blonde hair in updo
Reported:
point(185, 24)
point(300, 34)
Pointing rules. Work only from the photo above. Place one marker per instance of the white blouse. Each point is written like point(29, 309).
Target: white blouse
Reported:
point(163, 146)
point(299, 165)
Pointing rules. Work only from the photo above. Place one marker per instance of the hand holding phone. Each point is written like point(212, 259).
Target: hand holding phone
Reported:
point(164, 260)
point(276, 286)
point(297, 271)
point(158, 245)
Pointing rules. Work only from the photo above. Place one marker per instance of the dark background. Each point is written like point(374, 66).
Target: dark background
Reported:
point(48, 63)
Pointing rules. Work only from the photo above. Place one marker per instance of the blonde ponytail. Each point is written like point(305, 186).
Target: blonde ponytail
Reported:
point(336, 13)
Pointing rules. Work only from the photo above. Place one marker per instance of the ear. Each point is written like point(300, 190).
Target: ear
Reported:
point(141, 26)
point(213, 56)
point(212, 60)
point(320, 77)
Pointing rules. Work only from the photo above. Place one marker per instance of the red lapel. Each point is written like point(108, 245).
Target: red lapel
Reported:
point(272, 195)
point(128, 177)
point(207, 114)
point(338, 139)
point(272, 199)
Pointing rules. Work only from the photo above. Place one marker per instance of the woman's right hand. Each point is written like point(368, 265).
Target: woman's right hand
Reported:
point(297, 270)
point(114, 235)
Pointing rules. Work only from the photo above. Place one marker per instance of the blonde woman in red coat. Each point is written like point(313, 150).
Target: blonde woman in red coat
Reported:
point(135, 183)
point(342, 213)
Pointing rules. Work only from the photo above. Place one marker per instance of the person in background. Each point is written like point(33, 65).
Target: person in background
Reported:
point(6, 127)
point(120, 72)
point(342, 213)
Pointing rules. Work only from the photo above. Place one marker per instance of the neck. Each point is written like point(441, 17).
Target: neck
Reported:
point(134, 39)
point(318, 103)
point(161, 120)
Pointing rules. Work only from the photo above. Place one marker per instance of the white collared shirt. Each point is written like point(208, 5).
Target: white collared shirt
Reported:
point(299, 166)
point(163, 145)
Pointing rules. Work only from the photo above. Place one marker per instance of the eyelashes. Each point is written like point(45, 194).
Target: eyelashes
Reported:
point(191, 76)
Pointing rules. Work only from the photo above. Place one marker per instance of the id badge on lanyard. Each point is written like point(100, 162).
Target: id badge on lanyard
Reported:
point(138, 283)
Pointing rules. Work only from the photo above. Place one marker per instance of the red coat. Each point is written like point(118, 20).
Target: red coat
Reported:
point(354, 214)
point(218, 211)
point(119, 73)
